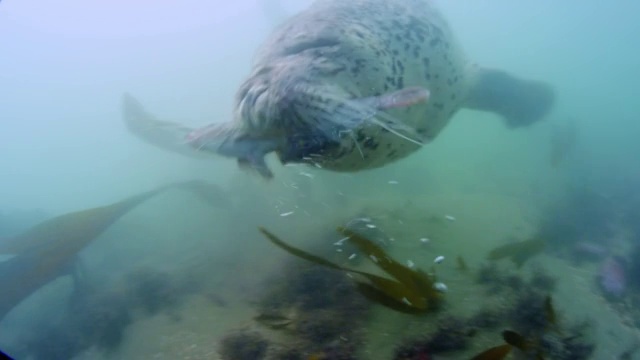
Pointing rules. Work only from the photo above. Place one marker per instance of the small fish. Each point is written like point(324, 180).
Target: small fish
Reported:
point(514, 339)
point(439, 259)
point(286, 214)
point(519, 252)
point(450, 218)
point(495, 353)
point(393, 182)
point(273, 321)
point(462, 265)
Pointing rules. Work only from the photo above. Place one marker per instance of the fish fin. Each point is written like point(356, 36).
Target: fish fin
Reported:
point(163, 134)
point(520, 102)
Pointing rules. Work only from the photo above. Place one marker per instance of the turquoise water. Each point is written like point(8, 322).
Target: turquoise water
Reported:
point(174, 275)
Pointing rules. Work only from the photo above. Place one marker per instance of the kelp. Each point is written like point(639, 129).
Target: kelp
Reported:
point(49, 249)
point(411, 292)
point(76, 229)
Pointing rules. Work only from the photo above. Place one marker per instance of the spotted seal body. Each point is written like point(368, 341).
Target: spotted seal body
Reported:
point(353, 85)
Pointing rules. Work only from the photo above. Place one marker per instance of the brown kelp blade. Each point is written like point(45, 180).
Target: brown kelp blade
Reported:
point(49, 249)
point(76, 229)
point(381, 297)
point(495, 353)
point(299, 253)
point(416, 281)
point(393, 289)
point(73, 230)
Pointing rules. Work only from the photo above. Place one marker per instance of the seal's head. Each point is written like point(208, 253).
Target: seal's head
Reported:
point(293, 107)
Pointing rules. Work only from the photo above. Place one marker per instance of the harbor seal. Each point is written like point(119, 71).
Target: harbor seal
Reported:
point(348, 86)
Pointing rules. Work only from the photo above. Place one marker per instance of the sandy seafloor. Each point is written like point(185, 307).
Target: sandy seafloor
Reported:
point(201, 323)
point(493, 194)
point(483, 220)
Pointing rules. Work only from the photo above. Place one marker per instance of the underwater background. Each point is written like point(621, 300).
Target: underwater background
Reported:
point(184, 272)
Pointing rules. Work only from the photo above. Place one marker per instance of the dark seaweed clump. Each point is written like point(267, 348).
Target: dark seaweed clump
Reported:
point(452, 333)
point(243, 345)
point(584, 215)
point(329, 310)
point(97, 317)
point(542, 281)
point(526, 307)
point(153, 290)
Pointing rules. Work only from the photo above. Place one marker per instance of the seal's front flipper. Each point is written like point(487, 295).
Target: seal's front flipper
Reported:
point(398, 99)
point(519, 102)
point(372, 110)
point(165, 135)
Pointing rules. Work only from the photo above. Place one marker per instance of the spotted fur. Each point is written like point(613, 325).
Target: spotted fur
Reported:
point(312, 93)
point(357, 48)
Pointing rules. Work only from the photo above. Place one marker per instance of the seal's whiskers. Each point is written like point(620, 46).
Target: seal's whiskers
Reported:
point(352, 113)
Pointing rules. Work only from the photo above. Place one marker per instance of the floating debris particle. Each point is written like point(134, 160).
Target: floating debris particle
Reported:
point(441, 287)
point(286, 213)
point(339, 250)
point(438, 259)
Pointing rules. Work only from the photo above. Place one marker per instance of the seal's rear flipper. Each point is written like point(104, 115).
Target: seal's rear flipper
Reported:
point(165, 135)
point(520, 102)
point(228, 140)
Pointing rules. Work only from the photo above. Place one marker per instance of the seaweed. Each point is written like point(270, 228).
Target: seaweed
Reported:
point(412, 291)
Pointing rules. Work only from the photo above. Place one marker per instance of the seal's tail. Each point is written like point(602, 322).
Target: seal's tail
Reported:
point(520, 102)
point(163, 134)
